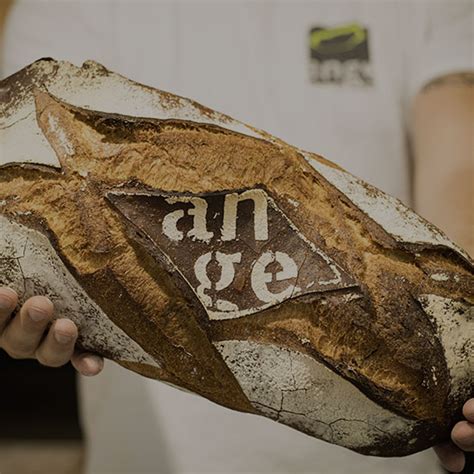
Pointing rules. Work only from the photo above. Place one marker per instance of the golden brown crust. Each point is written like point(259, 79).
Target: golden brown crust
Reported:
point(391, 325)
point(381, 341)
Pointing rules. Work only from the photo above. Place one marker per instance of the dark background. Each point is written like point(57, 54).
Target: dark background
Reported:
point(37, 402)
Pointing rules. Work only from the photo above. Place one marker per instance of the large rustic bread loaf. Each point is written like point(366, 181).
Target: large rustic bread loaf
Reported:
point(197, 250)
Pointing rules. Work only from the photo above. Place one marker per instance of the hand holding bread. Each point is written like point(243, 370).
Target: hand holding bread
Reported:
point(29, 334)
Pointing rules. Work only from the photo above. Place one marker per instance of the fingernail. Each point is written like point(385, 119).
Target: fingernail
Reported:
point(6, 302)
point(63, 338)
point(36, 314)
point(94, 364)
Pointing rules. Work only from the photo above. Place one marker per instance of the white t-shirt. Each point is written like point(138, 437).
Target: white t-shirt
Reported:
point(334, 77)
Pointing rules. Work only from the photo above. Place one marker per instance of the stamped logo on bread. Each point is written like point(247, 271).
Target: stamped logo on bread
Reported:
point(237, 250)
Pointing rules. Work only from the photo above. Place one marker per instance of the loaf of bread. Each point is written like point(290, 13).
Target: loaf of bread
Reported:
point(194, 249)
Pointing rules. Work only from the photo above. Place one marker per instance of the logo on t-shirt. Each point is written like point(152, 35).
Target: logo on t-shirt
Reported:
point(340, 55)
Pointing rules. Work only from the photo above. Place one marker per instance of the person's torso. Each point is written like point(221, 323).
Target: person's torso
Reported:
point(324, 76)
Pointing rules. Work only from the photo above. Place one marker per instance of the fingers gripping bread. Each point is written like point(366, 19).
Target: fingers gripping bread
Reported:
point(194, 249)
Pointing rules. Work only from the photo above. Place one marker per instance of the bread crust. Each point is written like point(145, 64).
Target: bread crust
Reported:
point(388, 317)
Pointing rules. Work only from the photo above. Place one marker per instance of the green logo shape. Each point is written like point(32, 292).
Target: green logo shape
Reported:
point(351, 36)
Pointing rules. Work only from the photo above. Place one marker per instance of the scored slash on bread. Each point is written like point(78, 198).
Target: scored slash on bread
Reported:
point(194, 249)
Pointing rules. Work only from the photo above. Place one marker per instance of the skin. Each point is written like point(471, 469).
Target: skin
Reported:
point(443, 120)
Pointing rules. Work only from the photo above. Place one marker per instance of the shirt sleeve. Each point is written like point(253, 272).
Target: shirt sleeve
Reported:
point(444, 42)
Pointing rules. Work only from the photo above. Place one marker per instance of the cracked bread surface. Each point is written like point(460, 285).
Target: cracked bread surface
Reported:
point(380, 339)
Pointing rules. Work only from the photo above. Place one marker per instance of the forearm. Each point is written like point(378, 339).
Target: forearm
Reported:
point(444, 193)
point(443, 153)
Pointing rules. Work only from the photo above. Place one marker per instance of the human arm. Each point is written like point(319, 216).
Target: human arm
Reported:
point(444, 193)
